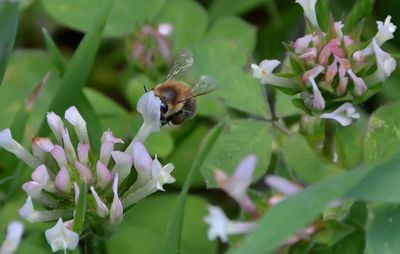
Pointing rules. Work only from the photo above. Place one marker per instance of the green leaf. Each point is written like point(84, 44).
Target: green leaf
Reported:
point(54, 53)
point(333, 232)
point(239, 139)
point(278, 224)
point(322, 9)
point(80, 211)
point(235, 29)
point(125, 17)
point(361, 9)
point(144, 227)
point(173, 235)
point(305, 162)
point(383, 135)
point(78, 69)
point(225, 61)
point(382, 233)
point(190, 22)
point(220, 8)
point(160, 143)
point(8, 25)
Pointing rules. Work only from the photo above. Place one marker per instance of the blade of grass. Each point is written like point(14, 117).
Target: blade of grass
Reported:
point(296, 212)
point(8, 27)
point(94, 128)
point(54, 53)
point(173, 234)
point(78, 70)
point(361, 9)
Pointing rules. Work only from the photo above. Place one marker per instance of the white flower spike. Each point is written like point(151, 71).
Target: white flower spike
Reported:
point(385, 63)
point(220, 226)
point(309, 10)
point(344, 115)
point(14, 234)
point(263, 72)
point(61, 238)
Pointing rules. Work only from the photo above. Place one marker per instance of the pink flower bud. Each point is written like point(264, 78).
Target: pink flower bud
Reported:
point(104, 176)
point(83, 153)
point(63, 181)
point(84, 171)
point(102, 209)
point(58, 154)
point(116, 211)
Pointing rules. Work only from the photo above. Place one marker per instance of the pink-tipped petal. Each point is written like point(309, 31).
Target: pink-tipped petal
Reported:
point(104, 176)
point(83, 153)
point(63, 181)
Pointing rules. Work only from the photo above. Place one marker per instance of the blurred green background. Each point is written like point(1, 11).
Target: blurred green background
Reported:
point(225, 36)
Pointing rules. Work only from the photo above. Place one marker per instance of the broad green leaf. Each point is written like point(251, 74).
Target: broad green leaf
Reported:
point(78, 69)
point(135, 88)
point(379, 186)
point(305, 162)
point(172, 242)
point(103, 105)
point(383, 135)
point(382, 233)
point(351, 153)
point(8, 25)
point(144, 227)
point(225, 62)
point(235, 29)
point(361, 9)
point(220, 8)
point(190, 22)
point(125, 17)
point(160, 144)
point(239, 139)
point(322, 10)
point(278, 224)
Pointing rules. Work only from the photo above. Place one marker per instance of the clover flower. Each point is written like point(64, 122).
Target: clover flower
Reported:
point(220, 226)
point(147, 54)
point(14, 234)
point(236, 185)
point(330, 65)
point(61, 166)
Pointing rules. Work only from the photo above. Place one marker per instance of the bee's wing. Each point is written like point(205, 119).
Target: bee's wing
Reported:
point(182, 62)
point(204, 85)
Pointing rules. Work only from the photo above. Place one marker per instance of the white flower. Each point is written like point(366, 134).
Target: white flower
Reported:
point(263, 72)
point(28, 212)
point(318, 101)
point(143, 165)
point(40, 180)
point(74, 117)
point(282, 185)
point(338, 29)
point(309, 10)
point(9, 144)
point(14, 234)
point(302, 43)
point(63, 181)
point(220, 226)
point(102, 209)
point(344, 115)
point(236, 186)
point(385, 31)
point(107, 146)
point(149, 106)
point(104, 176)
point(117, 210)
point(56, 125)
point(384, 62)
point(165, 29)
point(160, 175)
point(61, 238)
point(123, 164)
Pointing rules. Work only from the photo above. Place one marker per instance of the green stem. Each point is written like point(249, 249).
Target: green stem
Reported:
point(328, 148)
point(88, 244)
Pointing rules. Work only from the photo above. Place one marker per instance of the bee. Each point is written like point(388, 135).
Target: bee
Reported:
point(178, 100)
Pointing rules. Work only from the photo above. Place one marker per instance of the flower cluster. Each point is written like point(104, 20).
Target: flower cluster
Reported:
point(70, 181)
point(150, 43)
point(236, 186)
point(330, 67)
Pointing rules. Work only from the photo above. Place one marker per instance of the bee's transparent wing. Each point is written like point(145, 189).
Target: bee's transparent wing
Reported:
point(204, 85)
point(182, 63)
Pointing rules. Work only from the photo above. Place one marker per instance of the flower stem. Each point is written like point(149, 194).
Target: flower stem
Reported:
point(87, 245)
point(328, 148)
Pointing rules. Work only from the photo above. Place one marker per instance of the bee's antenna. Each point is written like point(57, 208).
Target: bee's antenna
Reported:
point(145, 89)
